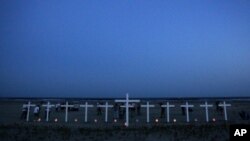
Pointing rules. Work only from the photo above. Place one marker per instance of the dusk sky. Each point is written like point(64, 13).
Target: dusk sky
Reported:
point(106, 48)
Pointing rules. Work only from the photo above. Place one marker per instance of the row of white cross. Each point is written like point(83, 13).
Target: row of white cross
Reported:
point(127, 105)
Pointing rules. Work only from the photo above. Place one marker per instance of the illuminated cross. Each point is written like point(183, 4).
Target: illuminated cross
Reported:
point(126, 101)
point(167, 106)
point(28, 109)
point(147, 106)
point(206, 106)
point(106, 106)
point(86, 106)
point(66, 110)
point(224, 105)
point(187, 106)
point(48, 106)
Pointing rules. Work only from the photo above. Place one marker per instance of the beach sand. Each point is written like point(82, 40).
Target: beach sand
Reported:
point(12, 128)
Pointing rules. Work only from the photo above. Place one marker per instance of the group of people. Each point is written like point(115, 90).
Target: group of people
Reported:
point(36, 112)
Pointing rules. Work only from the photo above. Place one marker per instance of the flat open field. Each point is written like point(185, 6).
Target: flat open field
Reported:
point(13, 128)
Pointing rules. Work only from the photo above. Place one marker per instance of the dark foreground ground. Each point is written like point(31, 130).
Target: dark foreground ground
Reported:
point(31, 132)
point(14, 129)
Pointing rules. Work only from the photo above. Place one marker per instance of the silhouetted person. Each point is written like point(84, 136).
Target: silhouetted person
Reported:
point(122, 112)
point(162, 110)
point(36, 111)
point(24, 112)
point(116, 111)
point(99, 110)
point(190, 109)
point(218, 108)
point(138, 109)
point(58, 105)
point(183, 111)
point(244, 115)
point(132, 110)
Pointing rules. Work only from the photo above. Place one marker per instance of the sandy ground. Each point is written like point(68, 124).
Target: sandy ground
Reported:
point(12, 128)
point(32, 132)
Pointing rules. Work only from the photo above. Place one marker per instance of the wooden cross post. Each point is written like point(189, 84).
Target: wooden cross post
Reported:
point(168, 106)
point(86, 106)
point(28, 109)
point(187, 106)
point(147, 106)
point(106, 106)
point(224, 105)
point(48, 106)
point(206, 106)
point(66, 110)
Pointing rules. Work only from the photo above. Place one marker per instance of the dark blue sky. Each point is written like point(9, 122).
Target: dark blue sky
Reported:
point(149, 48)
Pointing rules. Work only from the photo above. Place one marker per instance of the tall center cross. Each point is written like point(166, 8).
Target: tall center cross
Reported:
point(126, 101)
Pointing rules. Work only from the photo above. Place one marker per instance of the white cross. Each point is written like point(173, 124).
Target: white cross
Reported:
point(48, 106)
point(106, 106)
point(187, 111)
point(28, 109)
point(147, 106)
point(129, 105)
point(167, 106)
point(224, 105)
point(206, 108)
point(126, 101)
point(86, 106)
point(66, 110)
